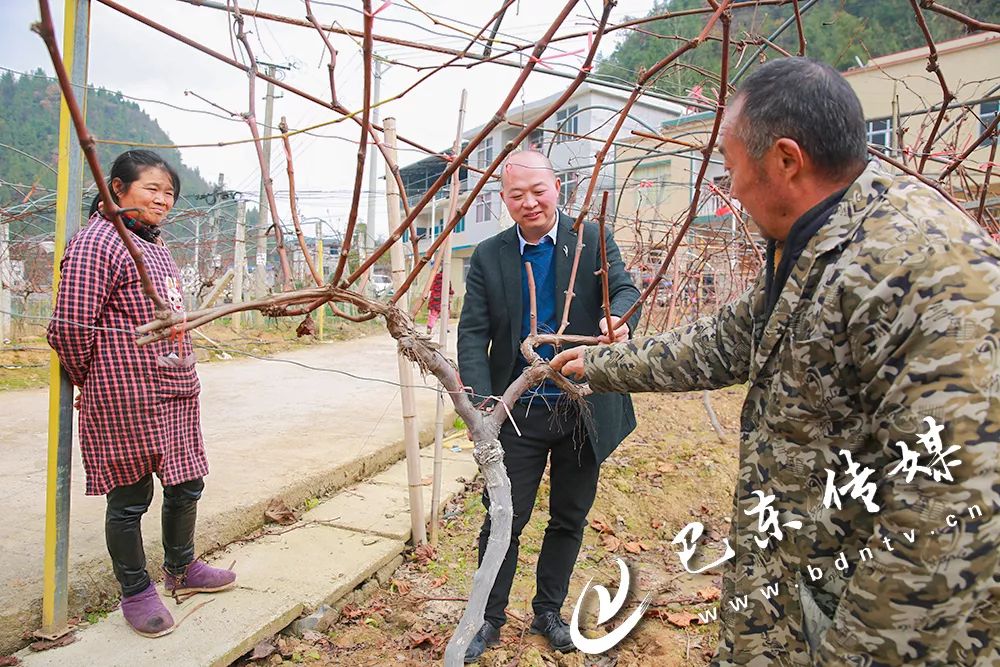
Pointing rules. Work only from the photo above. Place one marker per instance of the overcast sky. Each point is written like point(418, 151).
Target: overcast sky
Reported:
point(141, 62)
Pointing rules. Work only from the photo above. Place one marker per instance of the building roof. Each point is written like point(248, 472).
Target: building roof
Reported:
point(690, 118)
point(920, 53)
point(531, 109)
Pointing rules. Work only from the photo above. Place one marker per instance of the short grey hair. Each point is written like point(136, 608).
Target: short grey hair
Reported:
point(806, 101)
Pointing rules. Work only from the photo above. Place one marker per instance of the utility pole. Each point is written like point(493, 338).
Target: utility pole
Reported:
point(197, 242)
point(215, 227)
point(5, 279)
point(321, 317)
point(260, 286)
point(239, 258)
point(362, 230)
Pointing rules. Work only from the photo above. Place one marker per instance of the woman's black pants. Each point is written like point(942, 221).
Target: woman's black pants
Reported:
point(123, 530)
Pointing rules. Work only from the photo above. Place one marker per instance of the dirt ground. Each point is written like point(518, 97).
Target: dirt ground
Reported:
point(672, 470)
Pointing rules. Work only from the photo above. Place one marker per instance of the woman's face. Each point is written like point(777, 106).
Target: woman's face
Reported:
point(152, 193)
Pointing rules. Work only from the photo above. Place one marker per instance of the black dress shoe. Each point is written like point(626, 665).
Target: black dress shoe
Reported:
point(486, 637)
point(555, 629)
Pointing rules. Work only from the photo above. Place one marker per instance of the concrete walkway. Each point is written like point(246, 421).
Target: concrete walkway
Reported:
point(335, 547)
point(272, 429)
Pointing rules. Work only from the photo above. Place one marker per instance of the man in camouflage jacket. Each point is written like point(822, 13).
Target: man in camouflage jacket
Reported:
point(881, 537)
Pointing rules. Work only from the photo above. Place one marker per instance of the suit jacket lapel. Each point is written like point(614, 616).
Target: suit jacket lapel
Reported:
point(565, 249)
point(510, 270)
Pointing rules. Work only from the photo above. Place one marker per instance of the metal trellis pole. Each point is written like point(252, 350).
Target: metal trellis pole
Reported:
point(69, 204)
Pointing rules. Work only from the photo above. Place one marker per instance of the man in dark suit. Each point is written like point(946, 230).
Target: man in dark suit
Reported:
point(495, 320)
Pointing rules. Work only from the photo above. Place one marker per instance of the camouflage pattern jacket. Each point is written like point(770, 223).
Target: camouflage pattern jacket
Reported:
point(890, 315)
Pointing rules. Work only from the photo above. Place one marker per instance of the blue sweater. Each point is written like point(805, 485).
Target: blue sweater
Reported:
point(543, 268)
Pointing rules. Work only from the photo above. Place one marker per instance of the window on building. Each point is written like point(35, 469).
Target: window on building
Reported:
point(987, 112)
point(566, 123)
point(714, 201)
point(569, 182)
point(480, 208)
point(879, 133)
point(493, 205)
point(535, 140)
point(419, 232)
point(484, 206)
point(484, 154)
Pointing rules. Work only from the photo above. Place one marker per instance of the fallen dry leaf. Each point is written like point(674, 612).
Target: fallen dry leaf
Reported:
point(424, 553)
point(600, 660)
point(9, 661)
point(424, 639)
point(402, 587)
point(611, 543)
point(277, 512)
point(710, 594)
point(655, 524)
point(440, 581)
point(634, 547)
point(681, 619)
point(313, 637)
point(262, 650)
point(45, 644)
point(601, 527)
point(427, 481)
point(666, 467)
point(351, 612)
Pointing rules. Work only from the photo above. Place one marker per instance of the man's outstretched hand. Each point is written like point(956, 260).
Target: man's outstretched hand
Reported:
point(569, 362)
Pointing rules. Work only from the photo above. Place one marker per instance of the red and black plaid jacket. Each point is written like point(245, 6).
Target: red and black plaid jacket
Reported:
point(136, 416)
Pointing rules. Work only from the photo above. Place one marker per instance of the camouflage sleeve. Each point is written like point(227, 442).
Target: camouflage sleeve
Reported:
point(924, 336)
point(710, 353)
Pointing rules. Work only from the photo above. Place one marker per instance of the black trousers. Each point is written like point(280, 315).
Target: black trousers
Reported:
point(123, 529)
point(546, 435)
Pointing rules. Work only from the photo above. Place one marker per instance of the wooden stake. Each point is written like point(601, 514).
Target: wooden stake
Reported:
point(443, 335)
point(410, 437)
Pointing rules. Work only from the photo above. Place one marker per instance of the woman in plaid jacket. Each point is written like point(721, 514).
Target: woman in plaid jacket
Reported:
point(139, 411)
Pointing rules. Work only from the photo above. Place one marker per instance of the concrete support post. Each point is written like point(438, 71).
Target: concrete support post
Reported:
point(239, 258)
point(6, 276)
point(321, 316)
point(263, 212)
